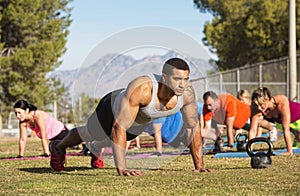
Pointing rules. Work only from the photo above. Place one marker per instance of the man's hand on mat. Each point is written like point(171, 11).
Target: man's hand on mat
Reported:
point(131, 173)
point(202, 170)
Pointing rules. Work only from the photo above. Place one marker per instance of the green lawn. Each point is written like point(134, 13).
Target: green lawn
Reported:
point(161, 176)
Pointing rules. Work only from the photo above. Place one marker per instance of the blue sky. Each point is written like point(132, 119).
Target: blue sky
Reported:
point(97, 20)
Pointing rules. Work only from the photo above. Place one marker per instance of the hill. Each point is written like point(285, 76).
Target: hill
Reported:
point(114, 71)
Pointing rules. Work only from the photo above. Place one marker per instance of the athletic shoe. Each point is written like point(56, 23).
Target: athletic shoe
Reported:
point(58, 158)
point(218, 145)
point(273, 135)
point(85, 151)
point(156, 154)
point(296, 143)
point(97, 162)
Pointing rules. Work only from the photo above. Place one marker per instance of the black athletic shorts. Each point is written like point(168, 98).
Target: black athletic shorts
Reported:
point(100, 123)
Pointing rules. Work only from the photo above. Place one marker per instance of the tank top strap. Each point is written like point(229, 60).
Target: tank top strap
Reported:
point(149, 112)
point(154, 80)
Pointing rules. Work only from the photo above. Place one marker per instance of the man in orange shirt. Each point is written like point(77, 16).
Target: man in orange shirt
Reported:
point(225, 109)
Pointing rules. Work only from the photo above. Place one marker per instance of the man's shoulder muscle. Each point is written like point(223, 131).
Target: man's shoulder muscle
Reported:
point(140, 90)
point(189, 95)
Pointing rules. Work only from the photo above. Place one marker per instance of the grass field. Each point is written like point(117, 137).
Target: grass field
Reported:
point(160, 176)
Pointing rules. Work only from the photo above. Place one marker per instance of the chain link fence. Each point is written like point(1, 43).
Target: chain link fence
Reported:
point(273, 74)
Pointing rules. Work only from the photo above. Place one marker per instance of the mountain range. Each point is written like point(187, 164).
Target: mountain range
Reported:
point(114, 71)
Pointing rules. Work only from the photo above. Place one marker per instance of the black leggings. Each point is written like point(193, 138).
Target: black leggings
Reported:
point(61, 135)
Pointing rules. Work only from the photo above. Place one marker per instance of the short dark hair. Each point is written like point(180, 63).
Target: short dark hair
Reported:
point(23, 104)
point(211, 94)
point(172, 63)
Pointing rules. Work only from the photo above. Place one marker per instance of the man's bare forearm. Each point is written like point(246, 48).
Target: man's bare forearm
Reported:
point(195, 144)
point(119, 146)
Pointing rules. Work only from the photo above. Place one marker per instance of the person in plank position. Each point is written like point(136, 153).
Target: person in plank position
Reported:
point(278, 109)
point(124, 114)
point(227, 110)
point(43, 124)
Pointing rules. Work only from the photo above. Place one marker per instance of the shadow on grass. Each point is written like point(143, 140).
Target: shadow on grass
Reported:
point(41, 170)
point(160, 169)
point(232, 168)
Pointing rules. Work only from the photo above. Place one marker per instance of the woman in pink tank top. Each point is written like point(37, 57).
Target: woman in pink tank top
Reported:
point(43, 124)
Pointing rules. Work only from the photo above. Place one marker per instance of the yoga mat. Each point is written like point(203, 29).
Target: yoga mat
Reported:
point(278, 152)
point(245, 154)
point(224, 138)
point(36, 157)
point(231, 155)
point(24, 158)
point(149, 155)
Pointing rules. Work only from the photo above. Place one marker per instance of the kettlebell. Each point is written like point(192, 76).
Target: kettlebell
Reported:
point(260, 160)
point(241, 143)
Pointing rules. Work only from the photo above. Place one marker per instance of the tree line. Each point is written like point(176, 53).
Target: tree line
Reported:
point(34, 33)
point(246, 32)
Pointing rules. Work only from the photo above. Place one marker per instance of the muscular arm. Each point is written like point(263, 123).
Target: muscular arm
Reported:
point(284, 110)
point(231, 109)
point(157, 137)
point(255, 118)
point(201, 121)
point(253, 125)
point(192, 127)
point(136, 95)
point(229, 125)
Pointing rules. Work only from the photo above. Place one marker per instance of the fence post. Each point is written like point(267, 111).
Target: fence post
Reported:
point(221, 83)
point(292, 51)
point(1, 125)
point(260, 75)
point(298, 95)
point(287, 77)
point(238, 86)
